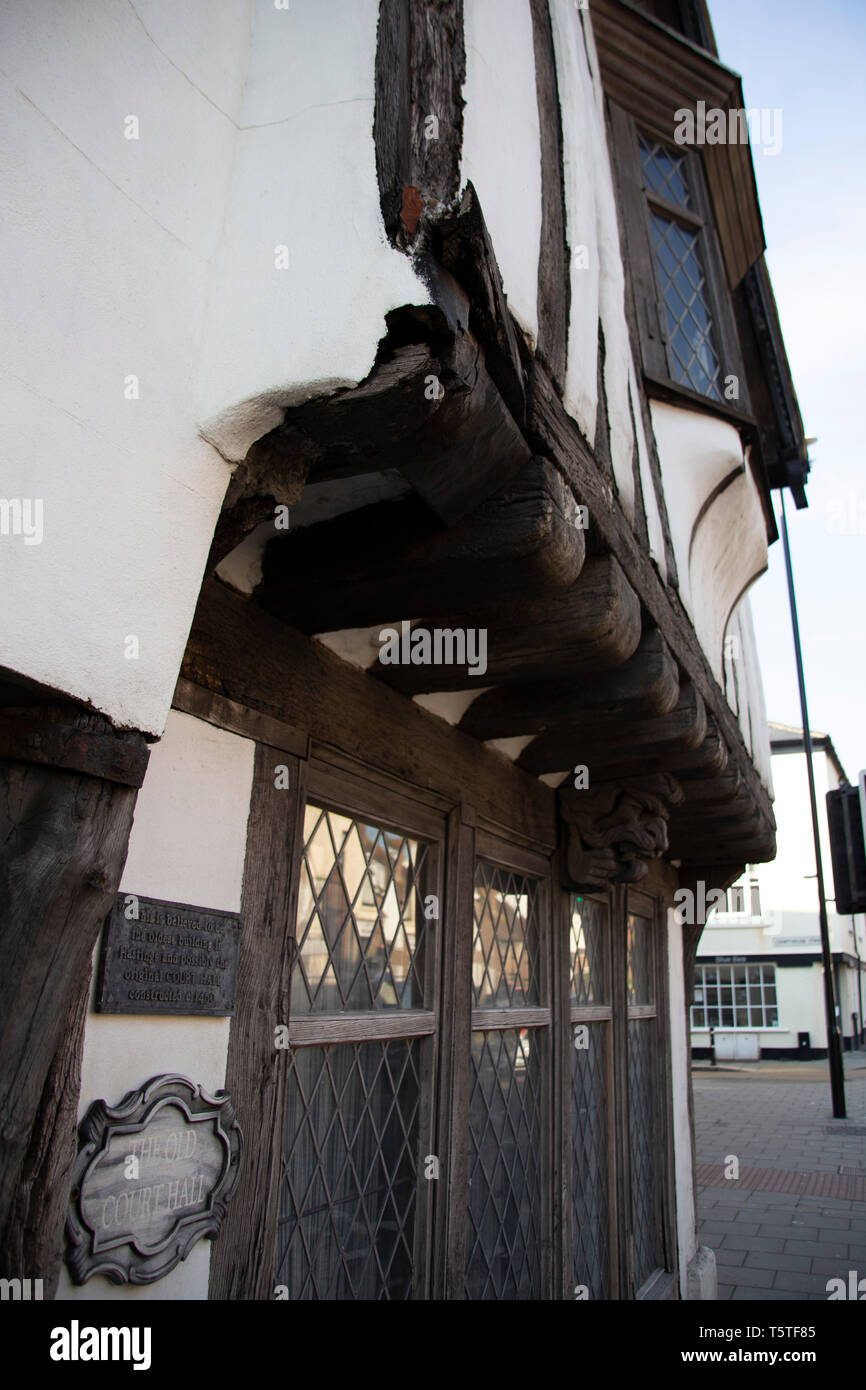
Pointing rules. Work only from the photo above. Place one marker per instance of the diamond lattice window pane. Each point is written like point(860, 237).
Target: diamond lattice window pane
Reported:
point(505, 944)
point(692, 358)
point(590, 1168)
point(349, 1171)
point(641, 989)
point(664, 172)
point(645, 1177)
point(589, 944)
point(504, 1224)
point(361, 923)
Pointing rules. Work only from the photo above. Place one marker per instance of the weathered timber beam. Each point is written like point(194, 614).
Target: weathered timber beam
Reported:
point(591, 626)
point(243, 654)
point(645, 685)
point(432, 412)
point(599, 742)
point(462, 243)
point(719, 791)
point(390, 561)
point(554, 281)
point(420, 71)
point(64, 829)
point(554, 433)
point(706, 761)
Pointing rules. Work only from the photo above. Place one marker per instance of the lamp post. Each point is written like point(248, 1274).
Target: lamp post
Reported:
point(834, 1039)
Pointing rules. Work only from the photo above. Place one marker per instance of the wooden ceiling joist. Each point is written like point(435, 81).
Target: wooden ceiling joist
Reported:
point(573, 633)
point(644, 686)
point(606, 741)
point(393, 561)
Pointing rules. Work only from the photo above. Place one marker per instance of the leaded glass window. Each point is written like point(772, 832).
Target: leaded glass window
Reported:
point(505, 942)
point(354, 1133)
point(347, 1202)
point(590, 1060)
point(644, 1149)
point(509, 1069)
point(692, 355)
point(590, 947)
point(504, 1225)
point(645, 1092)
point(361, 924)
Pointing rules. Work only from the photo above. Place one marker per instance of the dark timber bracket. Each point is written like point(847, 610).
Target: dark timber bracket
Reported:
point(392, 560)
point(611, 832)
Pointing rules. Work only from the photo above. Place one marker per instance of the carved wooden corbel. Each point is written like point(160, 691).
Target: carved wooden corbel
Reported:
point(613, 830)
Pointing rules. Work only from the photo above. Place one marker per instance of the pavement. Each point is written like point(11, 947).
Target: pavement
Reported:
point(794, 1214)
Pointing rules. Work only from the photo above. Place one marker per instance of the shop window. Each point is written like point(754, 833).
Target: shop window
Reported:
point(735, 996)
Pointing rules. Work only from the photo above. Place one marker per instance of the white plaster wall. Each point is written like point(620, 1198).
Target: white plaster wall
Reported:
point(580, 157)
point(744, 687)
point(304, 178)
point(501, 143)
point(103, 274)
point(687, 1243)
point(154, 258)
point(187, 845)
point(597, 275)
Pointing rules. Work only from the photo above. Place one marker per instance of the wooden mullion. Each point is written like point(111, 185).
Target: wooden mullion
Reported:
point(242, 1260)
point(562, 1098)
point(623, 1278)
point(454, 1044)
point(665, 1088)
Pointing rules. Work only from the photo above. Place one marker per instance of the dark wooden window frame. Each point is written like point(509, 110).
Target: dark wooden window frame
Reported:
point(242, 1260)
point(635, 203)
point(617, 1014)
point(506, 854)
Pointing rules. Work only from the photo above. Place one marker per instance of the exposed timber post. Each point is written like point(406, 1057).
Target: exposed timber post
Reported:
point(69, 782)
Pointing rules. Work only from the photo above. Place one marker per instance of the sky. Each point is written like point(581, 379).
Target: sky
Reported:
point(808, 61)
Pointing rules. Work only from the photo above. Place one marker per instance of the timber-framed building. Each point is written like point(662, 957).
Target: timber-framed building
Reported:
point(406, 322)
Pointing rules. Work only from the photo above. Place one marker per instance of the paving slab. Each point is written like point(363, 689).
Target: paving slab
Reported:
point(795, 1216)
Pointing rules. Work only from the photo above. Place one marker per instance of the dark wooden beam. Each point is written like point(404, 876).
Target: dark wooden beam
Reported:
point(554, 433)
point(554, 283)
point(645, 685)
point(243, 654)
point(420, 71)
point(603, 742)
point(391, 561)
point(462, 244)
point(589, 627)
point(63, 840)
point(242, 1263)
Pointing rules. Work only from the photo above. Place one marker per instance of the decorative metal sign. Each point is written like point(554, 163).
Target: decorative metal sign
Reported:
point(167, 958)
point(153, 1175)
